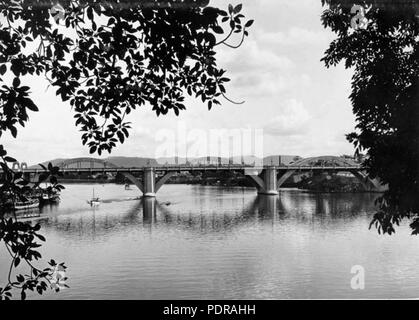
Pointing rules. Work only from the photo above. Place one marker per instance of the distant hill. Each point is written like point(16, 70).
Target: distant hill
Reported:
point(125, 162)
point(54, 162)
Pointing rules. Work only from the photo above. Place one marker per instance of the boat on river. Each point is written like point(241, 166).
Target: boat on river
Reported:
point(49, 198)
point(47, 194)
point(94, 201)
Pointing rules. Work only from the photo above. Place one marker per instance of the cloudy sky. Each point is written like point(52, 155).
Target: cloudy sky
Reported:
point(302, 107)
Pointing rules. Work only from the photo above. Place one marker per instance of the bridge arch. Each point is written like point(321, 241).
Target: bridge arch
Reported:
point(326, 161)
point(106, 164)
point(149, 187)
point(331, 161)
point(66, 163)
point(19, 165)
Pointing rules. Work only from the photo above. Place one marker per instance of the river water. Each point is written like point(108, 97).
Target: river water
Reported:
point(202, 242)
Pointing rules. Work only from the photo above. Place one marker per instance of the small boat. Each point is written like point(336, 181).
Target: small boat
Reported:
point(95, 201)
point(25, 205)
point(49, 197)
point(48, 194)
point(127, 186)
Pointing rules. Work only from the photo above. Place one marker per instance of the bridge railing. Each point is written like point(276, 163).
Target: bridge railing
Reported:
point(193, 168)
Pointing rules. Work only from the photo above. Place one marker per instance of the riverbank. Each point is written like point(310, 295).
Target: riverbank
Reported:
point(331, 184)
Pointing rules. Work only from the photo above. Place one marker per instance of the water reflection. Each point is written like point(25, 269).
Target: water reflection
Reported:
point(195, 242)
point(227, 214)
point(149, 210)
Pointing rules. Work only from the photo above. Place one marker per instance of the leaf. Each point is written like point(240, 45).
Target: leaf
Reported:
point(237, 8)
point(230, 8)
point(13, 130)
point(31, 106)
point(9, 159)
point(121, 136)
point(218, 29)
point(40, 237)
point(42, 177)
point(249, 23)
point(3, 69)
point(16, 82)
point(90, 13)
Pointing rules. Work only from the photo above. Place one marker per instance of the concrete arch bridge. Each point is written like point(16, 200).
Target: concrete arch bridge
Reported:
point(267, 179)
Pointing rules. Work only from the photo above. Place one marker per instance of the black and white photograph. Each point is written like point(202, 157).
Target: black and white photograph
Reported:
point(209, 150)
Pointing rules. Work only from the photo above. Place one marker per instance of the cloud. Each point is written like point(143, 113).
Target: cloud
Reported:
point(292, 119)
point(296, 36)
point(277, 6)
point(251, 56)
point(143, 132)
point(269, 84)
point(261, 84)
point(257, 71)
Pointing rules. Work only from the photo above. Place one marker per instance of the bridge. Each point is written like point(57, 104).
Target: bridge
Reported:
point(267, 178)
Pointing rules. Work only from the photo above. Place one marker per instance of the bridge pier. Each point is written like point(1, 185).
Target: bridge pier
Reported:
point(267, 206)
point(263, 177)
point(266, 183)
point(270, 182)
point(149, 182)
point(149, 209)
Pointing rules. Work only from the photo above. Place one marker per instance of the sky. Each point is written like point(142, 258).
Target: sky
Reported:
point(293, 104)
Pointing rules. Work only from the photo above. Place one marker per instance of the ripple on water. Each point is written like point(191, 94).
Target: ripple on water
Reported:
point(213, 243)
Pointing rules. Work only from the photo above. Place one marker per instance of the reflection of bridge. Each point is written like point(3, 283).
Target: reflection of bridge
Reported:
point(304, 207)
point(267, 179)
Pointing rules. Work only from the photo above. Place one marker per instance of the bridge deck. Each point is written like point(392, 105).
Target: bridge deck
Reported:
point(195, 168)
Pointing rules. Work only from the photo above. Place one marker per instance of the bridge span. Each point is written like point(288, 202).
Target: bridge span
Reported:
point(267, 179)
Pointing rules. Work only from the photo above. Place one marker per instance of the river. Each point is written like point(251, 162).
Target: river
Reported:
point(202, 242)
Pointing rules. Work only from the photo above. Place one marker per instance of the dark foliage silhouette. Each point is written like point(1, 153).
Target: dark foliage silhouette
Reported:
point(383, 52)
